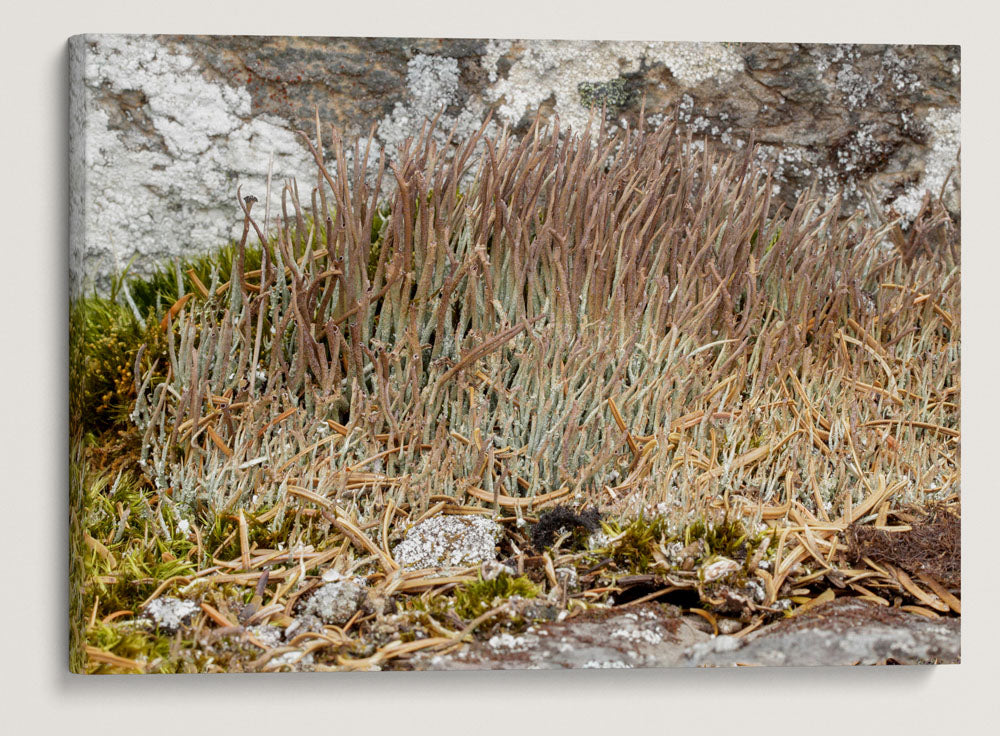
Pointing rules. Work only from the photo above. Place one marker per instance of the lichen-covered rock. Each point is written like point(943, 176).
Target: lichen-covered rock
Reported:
point(334, 603)
point(648, 635)
point(163, 128)
point(843, 632)
point(449, 541)
point(168, 613)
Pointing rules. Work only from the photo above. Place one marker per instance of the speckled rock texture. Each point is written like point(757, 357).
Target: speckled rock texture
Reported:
point(164, 128)
point(646, 636)
point(448, 541)
point(335, 602)
point(843, 632)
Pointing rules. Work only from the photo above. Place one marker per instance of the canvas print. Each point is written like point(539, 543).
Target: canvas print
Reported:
point(440, 354)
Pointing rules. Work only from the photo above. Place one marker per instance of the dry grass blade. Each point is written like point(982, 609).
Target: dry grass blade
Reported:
point(361, 541)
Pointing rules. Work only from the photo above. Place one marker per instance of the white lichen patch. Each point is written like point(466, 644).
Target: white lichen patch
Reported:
point(729, 626)
point(334, 603)
point(716, 645)
point(634, 635)
point(491, 56)
point(508, 642)
point(274, 636)
point(693, 63)
point(449, 541)
point(942, 160)
point(267, 634)
point(556, 69)
point(596, 664)
point(169, 613)
point(161, 180)
point(784, 161)
point(491, 569)
point(292, 658)
point(598, 540)
point(432, 84)
point(568, 578)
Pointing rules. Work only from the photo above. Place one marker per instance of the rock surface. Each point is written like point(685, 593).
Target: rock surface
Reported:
point(335, 602)
point(449, 541)
point(646, 636)
point(843, 632)
point(164, 128)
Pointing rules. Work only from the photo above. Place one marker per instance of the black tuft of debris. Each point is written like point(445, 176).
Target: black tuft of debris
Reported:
point(562, 519)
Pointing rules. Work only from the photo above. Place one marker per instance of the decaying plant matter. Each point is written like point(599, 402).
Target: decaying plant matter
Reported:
point(617, 321)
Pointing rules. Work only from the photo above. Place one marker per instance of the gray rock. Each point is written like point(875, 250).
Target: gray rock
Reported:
point(334, 603)
point(646, 636)
point(164, 128)
point(449, 541)
point(842, 632)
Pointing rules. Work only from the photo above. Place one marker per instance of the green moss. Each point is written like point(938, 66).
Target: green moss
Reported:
point(77, 569)
point(160, 289)
point(105, 338)
point(373, 255)
point(475, 599)
point(726, 538)
point(125, 556)
point(150, 651)
point(106, 334)
point(220, 533)
point(118, 558)
point(774, 238)
point(633, 550)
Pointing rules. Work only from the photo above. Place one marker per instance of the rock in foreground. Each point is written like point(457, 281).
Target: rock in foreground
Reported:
point(843, 632)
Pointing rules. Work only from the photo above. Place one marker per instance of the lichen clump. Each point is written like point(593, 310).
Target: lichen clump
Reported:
point(448, 541)
point(391, 384)
point(335, 602)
